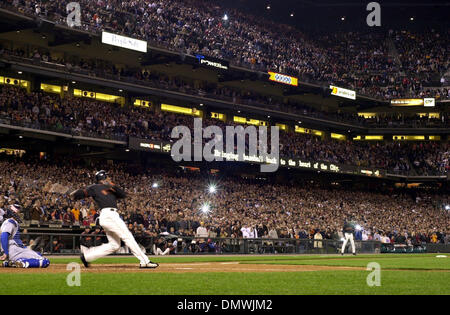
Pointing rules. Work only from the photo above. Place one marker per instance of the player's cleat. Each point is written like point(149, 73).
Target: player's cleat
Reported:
point(354, 254)
point(17, 264)
point(83, 260)
point(13, 264)
point(149, 265)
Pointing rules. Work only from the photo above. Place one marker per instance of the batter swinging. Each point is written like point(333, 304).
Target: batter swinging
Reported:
point(105, 194)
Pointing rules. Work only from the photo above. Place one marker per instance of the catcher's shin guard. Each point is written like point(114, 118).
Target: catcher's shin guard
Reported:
point(32, 263)
point(13, 264)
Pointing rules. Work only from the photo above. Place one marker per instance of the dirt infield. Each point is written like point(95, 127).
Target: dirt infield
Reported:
point(182, 268)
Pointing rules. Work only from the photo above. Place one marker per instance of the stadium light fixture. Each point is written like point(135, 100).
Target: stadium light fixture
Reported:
point(411, 19)
point(343, 18)
point(268, 7)
point(292, 14)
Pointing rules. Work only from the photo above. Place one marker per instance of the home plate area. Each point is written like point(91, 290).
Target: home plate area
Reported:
point(181, 268)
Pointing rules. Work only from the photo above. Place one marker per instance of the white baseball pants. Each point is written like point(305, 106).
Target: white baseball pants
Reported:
point(158, 251)
point(348, 237)
point(115, 230)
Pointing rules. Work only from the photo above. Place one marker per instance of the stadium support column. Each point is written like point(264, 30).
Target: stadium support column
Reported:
point(128, 101)
point(157, 109)
point(35, 84)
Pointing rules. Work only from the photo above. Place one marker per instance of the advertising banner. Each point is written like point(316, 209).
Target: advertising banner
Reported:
point(124, 42)
point(282, 78)
point(337, 91)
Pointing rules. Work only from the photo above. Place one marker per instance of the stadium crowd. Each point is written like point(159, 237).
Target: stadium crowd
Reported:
point(237, 207)
point(212, 90)
point(368, 65)
point(83, 116)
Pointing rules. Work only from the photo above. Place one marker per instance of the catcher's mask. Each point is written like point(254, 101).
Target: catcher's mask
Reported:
point(13, 211)
point(101, 175)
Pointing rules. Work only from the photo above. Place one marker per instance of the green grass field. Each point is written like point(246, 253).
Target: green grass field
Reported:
point(400, 274)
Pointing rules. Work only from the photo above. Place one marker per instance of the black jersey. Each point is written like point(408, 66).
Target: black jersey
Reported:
point(105, 196)
point(349, 227)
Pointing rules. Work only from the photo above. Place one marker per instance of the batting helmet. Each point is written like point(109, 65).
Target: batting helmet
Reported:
point(101, 175)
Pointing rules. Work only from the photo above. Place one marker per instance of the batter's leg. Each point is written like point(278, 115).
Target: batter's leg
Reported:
point(122, 230)
point(108, 224)
point(94, 253)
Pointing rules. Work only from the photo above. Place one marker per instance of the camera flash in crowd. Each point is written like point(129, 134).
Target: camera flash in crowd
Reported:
point(212, 189)
point(205, 208)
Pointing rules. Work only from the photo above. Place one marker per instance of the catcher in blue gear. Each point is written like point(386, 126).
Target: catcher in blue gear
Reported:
point(14, 253)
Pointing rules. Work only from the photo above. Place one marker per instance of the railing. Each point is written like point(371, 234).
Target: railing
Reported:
point(404, 248)
point(61, 130)
point(69, 244)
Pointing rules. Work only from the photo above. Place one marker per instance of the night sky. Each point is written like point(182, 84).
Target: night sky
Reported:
point(326, 15)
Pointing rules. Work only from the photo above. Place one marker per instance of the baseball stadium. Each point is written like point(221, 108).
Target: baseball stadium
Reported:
point(224, 148)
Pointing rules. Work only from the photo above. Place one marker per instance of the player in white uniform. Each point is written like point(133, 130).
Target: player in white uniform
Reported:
point(15, 254)
point(348, 230)
point(105, 194)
